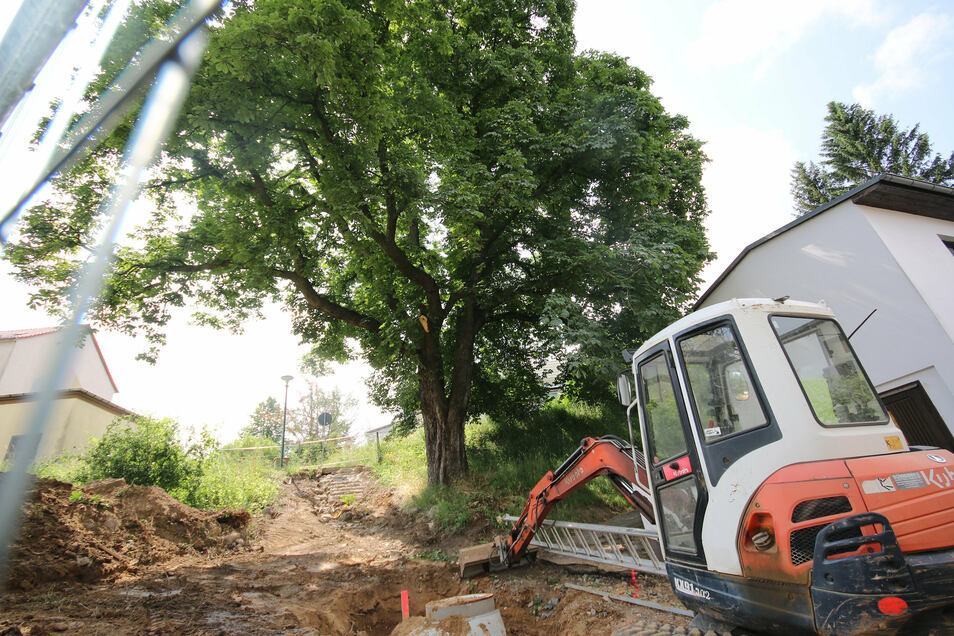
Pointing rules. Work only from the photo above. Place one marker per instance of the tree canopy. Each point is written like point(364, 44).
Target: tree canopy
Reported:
point(858, 144)
point(442, 186)
point(266, 421)
point(305, 420)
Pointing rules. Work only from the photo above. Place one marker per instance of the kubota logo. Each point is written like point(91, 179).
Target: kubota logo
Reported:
point(942, 478)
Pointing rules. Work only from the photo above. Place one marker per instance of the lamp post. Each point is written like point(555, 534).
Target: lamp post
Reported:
point(281, 458)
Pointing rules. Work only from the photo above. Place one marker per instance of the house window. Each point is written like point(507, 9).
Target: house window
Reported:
point(15, 441)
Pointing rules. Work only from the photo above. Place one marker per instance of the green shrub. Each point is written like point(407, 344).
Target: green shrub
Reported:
point(145, 451)
point(69, 468)
point(229, 481)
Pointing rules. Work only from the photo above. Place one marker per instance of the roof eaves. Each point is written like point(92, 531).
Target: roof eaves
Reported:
point(919, 184)
point(81, 394)
point(20, 334)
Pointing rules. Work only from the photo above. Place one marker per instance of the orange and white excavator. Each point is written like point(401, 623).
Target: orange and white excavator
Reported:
point(784, 496)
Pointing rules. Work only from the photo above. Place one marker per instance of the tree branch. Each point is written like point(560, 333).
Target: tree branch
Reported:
point(389, 202)
point(327, 306)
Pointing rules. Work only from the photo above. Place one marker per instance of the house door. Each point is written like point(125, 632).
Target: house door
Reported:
point(917, 417)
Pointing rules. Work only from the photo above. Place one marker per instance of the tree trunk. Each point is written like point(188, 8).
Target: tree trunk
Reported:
point(445, 415)
point(443, 440)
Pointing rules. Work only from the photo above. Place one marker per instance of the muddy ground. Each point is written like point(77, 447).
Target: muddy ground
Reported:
point(330, 556)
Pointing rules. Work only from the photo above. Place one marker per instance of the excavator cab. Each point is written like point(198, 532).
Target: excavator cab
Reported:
point(762, 432)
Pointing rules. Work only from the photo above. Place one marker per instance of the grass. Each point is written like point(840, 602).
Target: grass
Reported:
point(235, 482)
point(510, 458)
point(449, 508)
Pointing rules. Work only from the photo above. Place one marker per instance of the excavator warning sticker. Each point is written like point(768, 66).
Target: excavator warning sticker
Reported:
point(879, 485)
point(908, 481)
point(893, 442)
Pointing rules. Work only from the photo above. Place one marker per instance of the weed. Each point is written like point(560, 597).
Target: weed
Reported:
point(48, 599)
point(72, 469)
point(347, 499)
point(79, 497)
point(435, 555)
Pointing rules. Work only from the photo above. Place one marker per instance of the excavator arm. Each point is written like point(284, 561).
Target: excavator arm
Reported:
point(608, 455)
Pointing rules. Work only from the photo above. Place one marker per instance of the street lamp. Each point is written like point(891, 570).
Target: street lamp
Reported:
point(281, 458)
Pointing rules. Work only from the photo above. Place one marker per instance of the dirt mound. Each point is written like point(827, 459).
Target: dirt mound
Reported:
point(107, 528)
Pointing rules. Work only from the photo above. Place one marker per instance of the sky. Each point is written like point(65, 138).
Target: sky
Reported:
point(752, 77)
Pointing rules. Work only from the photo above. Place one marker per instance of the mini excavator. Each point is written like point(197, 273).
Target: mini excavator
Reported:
point(784, 496)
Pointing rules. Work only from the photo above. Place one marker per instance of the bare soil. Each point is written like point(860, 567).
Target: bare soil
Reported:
point(121, 559)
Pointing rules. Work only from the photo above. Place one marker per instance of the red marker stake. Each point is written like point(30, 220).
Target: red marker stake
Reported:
point(635, 583)
point(405, 605)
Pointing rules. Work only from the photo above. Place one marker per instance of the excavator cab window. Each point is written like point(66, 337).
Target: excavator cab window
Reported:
point(662, 413)
point(720, 384)
point(829, 373)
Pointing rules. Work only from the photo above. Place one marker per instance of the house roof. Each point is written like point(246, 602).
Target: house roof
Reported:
point(20, 334)
point(887, 191)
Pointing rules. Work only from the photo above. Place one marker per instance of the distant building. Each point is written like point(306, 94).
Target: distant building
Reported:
point(84, 406)
point(882, 257)
point(378, 433)
point(550, 375)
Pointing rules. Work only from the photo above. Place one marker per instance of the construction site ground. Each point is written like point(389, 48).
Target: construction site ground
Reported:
point(331, 555)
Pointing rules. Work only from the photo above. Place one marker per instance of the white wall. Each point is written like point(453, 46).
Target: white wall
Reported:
point(29, 359)
point(89, 372)
point(840, 258)
point(915, 241)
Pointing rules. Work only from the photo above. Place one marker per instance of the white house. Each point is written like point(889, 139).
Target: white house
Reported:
point(84, 402)
point(882, 257)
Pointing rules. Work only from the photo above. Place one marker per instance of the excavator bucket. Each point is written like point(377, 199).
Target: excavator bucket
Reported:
point(484, 557)
point(475, 560)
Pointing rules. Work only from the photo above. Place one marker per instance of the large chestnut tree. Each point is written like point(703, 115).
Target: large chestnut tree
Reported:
point(445, 187)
